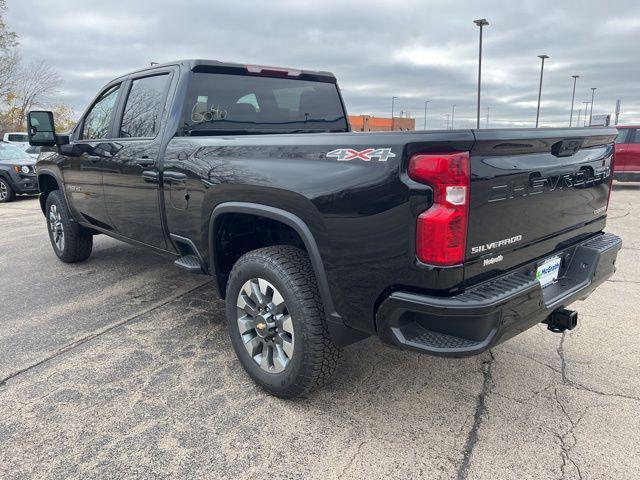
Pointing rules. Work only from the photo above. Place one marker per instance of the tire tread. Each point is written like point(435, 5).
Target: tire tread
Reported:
point(293, 266)
point(78, 240)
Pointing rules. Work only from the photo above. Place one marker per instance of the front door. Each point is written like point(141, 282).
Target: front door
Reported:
point(82, 161)
point(622, 149)
point(130, 175)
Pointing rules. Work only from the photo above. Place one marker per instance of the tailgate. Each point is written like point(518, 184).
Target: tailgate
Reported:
point(533, 191)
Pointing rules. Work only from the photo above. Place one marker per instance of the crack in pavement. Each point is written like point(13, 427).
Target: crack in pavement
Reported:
point(623, 281)
point(579, 386)
point(481, 407)
point(351, 460)
point(98, 333)
point(566, 448)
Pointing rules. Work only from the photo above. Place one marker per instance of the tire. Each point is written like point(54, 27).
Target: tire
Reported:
point(75, 243)
point(297, 324)
point(6, 192)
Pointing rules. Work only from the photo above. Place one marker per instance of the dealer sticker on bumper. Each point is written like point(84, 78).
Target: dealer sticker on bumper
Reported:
point(547, 272)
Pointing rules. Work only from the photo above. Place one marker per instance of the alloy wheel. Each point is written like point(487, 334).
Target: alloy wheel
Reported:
point(265, 325)
point(4, 192)
point(56, 227)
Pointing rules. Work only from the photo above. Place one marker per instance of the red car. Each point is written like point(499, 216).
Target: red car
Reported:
point(627, 164)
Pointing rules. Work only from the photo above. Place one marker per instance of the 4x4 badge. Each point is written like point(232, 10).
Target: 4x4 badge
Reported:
point(344, 154)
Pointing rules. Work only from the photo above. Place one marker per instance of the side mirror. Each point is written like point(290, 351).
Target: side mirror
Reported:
point(40, 129)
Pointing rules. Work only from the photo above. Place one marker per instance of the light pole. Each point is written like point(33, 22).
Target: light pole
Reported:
point(482, 22)
point(573, 97)
point(393, 100)
point(579, 116)
point(586, 105)
point(425, 114)
point(543, 58)
point(593, 92)
point(447, 115)
point(453, 114)
point(487, 122)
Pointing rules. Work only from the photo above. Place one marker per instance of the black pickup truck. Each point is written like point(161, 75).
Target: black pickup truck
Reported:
point(442, 242)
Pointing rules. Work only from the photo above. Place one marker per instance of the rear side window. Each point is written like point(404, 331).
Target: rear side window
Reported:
point(96, 123)
point(623, 135)
point(219, 103)
point(144, 107)
point(636, 137)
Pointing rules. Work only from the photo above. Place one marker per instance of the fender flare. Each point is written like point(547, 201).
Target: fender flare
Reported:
point(52, 174)
point(341, 334)
point(292, 221)
point(6, 175)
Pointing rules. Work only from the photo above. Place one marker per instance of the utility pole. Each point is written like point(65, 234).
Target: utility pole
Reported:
point(573, 97)
point(393, 100)
point(453, 114)
point(447, 115)
point(482, 22)
point(425, 114)
point(543, 58)
point(618, 102)
point(593, 92)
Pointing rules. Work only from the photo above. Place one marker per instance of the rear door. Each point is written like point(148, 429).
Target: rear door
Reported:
point(130, 177)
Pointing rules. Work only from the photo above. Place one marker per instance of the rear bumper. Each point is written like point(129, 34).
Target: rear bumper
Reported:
point(494, 311)
point(626, 176)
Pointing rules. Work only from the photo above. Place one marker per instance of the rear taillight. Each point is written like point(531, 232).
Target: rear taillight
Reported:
point(441, 233)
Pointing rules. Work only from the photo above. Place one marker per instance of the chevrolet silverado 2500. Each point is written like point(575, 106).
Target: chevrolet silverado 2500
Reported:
point(441, 242)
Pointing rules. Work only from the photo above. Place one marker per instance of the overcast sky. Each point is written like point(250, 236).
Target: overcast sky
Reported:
point(415, 50)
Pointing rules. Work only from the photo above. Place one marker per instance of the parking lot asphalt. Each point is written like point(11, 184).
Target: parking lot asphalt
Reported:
point(121, 367)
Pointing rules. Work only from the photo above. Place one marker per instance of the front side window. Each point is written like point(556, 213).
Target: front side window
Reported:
point(623, 135)
point(144, 107)
point(220, 103)
point(636, 137)
point(96, 123)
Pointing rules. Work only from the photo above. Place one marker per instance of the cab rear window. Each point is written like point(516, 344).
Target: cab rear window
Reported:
point(219, 103)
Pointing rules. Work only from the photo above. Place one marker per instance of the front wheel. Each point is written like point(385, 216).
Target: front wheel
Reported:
point(71, 242)
point(6, 192)
point(276, 321)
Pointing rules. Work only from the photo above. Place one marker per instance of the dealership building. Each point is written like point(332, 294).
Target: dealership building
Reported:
point(369, 123)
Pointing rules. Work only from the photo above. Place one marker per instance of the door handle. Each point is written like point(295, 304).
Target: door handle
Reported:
point(150, 176)
point(144, 161)
point(174, 177)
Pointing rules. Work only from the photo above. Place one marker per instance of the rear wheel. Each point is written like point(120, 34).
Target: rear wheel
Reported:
point(6, 192)
point(70, 241)
point(276, 321)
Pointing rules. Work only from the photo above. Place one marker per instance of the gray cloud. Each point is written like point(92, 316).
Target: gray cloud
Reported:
point(412, 49)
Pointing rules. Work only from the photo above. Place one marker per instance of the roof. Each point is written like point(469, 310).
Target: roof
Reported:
point(195, 64)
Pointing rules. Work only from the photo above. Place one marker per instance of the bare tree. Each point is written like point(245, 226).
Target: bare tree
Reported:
point(34, 86)
point(9, 63)
point(9, 57)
